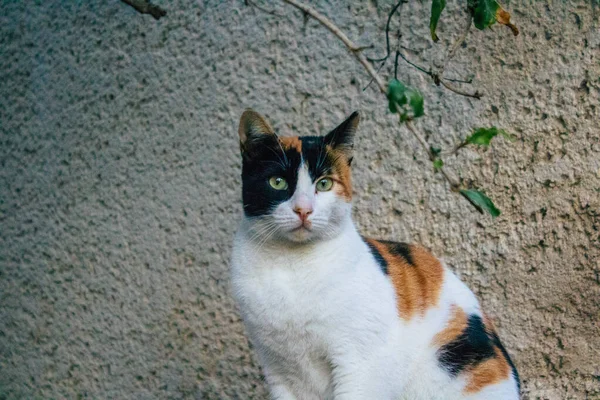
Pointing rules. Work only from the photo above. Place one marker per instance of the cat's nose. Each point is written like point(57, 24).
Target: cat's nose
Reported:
point(303, 212)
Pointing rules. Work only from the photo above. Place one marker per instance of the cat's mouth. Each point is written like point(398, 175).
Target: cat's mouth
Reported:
point(301, 233)
point(306, 226)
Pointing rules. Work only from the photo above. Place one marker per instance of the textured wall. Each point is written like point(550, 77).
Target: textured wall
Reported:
point(120, 187)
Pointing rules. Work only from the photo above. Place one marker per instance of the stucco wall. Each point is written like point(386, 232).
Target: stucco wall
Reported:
point(120, 187)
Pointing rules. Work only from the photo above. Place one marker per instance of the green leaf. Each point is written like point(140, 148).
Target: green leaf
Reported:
point(405, 100)
point(395, 94)
point(438, 163)
point(435, 150)
point(484, 13)
point(480, 201)
point(483, 136)
point(437, 6)
point(488, 12)
point(415, 101)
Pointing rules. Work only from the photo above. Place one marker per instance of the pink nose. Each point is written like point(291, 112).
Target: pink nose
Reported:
point(303, 213)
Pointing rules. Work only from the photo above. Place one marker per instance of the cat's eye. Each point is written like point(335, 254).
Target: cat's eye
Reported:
point(278, 183)
point(324, 185)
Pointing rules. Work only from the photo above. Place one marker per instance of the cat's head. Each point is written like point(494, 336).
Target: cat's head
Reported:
point(296, 188)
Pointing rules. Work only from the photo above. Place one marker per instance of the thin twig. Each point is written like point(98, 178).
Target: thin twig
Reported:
point(437, 77)
point(470, 80)
point(261, 8)
point(363, 48)
point(308, 10)
point(460, 40)
point(372, 79)
point(455, 46)
point(387, 33)
point(145, 7)
point(437, 80)
point(454, 184)
point(456, 148)
point(456, 90)
point(414, 65)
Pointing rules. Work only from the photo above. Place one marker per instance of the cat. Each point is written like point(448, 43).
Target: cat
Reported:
point(334, 315)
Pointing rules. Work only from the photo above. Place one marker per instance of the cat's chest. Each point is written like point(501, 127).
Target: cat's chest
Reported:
point(290, 293)
point(294, 296)
point(290, 313)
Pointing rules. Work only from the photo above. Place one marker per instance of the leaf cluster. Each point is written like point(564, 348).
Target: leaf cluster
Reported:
point(405, 101)
point(408, 103)
point(485, 13)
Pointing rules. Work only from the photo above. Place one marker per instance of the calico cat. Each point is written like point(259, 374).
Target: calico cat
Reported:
point(334, 315)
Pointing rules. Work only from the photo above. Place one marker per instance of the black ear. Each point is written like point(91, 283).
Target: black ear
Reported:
point(342, 137)
point(253, 129)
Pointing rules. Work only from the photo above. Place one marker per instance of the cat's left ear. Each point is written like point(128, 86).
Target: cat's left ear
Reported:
point(342, 137)
point(253, 130)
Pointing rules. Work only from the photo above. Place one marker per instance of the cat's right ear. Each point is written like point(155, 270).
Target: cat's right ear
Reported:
point(253, 129)
point(342, 137)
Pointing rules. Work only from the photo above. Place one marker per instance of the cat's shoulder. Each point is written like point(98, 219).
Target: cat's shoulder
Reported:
point(401, 254)
point(416, 274)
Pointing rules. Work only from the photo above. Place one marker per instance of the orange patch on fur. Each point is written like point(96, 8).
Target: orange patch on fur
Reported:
point(455, 327)
point(487, 373)
point(418, 285)
point(342, 173)
point(291, 142)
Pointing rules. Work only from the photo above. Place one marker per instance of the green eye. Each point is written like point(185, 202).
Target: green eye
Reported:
point(324, 185)
point(278, 183)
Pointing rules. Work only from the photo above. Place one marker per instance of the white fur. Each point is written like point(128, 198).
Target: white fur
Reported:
point(328, 216)
point(323, 317)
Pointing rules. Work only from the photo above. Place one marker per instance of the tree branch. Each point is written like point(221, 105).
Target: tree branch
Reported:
point(437, 77)
point(356, 50)
point(454, 184)
point(145, 7)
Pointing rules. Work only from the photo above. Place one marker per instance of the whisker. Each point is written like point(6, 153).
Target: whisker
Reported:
point(278, 163)
point(265, 239)
point(285, 163)
point(283, 152)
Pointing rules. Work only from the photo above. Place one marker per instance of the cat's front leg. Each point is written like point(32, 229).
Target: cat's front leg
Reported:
point(279, 388)
point(349, 388)
point(280, 392)
point(349, 380)
point(359, 373)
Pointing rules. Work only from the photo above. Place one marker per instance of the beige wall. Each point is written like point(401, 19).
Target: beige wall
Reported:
point(119, 183)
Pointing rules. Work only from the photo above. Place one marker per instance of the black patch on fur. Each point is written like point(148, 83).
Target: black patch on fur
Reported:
point(473, 346)
point(267, 159)
point(316, 157)
point(399, 249)
point(264, 157)
point(498, 343)
point(377, 256)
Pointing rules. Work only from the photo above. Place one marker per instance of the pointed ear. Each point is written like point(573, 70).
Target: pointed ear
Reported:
point(342, 137)
point(253, 127)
